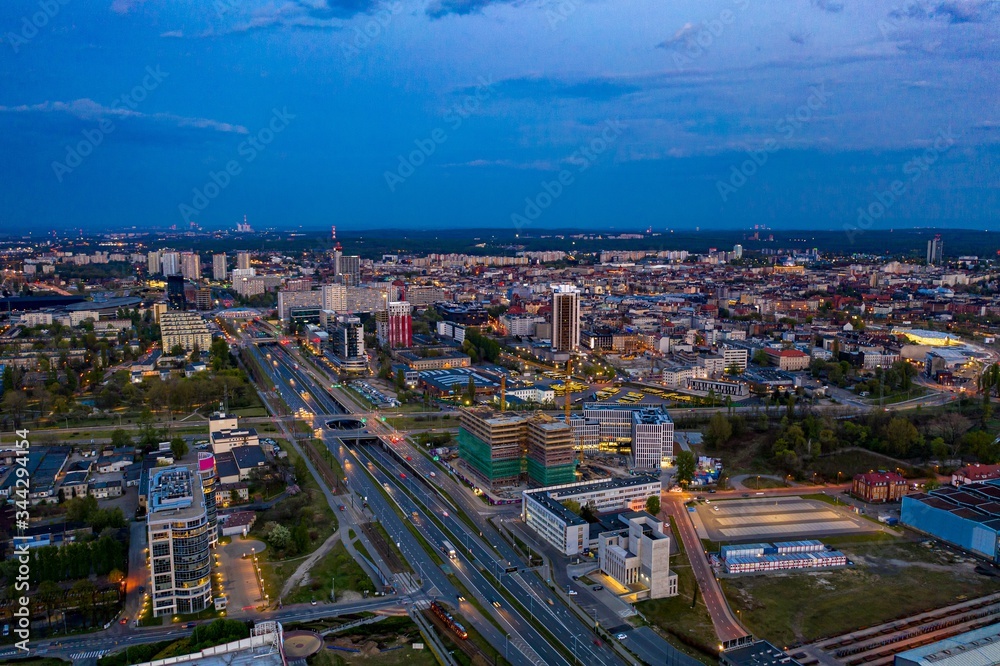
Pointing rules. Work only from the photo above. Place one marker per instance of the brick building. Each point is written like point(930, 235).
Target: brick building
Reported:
point(879, 487)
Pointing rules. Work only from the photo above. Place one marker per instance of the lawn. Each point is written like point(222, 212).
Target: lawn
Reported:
point(893, 578)
point(849, 463)
point(441, 421)
point(689, 628)
point(336, 567)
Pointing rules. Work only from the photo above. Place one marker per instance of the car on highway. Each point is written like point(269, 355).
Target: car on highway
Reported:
point(402, 476)
point(342, 507)
point(445, 514)
point(621, 637)
point(409, 459)
point(746, 494)
point(572, 593)
point(496, 604)
point(460, 597)
point(190, 625)
point(124, 620)
point(576, 578)
point(597, 588)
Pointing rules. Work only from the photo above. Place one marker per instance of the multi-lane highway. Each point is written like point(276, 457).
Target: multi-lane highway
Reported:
point(483, 557)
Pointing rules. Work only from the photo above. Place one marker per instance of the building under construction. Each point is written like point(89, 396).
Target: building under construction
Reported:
point(505, 450)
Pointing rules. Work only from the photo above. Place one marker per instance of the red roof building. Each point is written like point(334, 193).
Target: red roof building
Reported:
point(879, 487)
point(975, 474)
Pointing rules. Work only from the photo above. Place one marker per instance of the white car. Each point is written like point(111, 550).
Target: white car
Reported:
point(621, 637)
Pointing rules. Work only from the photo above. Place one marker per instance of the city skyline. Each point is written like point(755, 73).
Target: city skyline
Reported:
point(572, 114)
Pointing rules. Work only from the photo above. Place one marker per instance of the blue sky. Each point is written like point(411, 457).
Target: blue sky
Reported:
point(471, 113)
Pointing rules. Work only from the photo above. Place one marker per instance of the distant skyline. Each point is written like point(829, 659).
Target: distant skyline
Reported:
point(524, 114)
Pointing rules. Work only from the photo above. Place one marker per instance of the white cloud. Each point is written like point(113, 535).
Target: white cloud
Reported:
point(88, 109)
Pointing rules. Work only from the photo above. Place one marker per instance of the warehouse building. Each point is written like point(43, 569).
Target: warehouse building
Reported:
point(966, 517)
point(543, 511)
point(973, 648)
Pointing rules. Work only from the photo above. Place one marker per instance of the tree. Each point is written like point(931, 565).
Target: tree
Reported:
point(950, 427)
point(279, 537)
point(901, 436)
point(120, 438)
point(719, 430)
point(177, 350)
point(685, 463)
point(49, 594)
point(470, 390)
point(400, 379)
point(653, 504)
point(760, 357)
point(572, 505)
point(14, 403)
point(178, 447)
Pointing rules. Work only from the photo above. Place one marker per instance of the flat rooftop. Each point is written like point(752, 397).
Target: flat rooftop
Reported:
point(175, 489)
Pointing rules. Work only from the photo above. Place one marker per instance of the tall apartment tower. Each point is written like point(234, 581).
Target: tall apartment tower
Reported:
point(179, 540)
point(191, 265)
point(153, 262)
point(219, 267)
point(243, 260)
point(170, 263)
point(334, 297)
point(394, 326)
point(565, 318)
point(935, 250)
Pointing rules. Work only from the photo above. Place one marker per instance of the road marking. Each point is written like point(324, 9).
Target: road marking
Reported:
point(96, 654)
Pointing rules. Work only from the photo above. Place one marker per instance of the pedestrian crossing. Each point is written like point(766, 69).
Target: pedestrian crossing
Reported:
point(93, 654)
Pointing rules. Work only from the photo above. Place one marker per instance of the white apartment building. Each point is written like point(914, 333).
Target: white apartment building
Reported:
point(297, 299)
point(334, 297)
point(735, 356)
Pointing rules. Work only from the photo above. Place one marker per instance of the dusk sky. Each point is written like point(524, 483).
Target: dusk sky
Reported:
point(601, 114)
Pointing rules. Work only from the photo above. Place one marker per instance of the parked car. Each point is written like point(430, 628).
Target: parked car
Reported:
point(597, 588)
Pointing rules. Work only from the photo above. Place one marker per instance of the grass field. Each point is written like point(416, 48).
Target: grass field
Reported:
point(894, 578)
point(336, 567)
point(689, 628)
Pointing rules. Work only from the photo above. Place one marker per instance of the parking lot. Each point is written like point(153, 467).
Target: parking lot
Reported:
point(777, 519)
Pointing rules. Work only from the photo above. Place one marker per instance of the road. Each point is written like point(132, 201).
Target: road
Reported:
point(411, 495)
point(727, 628)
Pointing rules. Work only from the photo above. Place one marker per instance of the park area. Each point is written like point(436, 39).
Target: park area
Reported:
point(890, 578)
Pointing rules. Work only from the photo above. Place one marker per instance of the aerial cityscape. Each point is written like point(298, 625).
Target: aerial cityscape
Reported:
point(472, 332)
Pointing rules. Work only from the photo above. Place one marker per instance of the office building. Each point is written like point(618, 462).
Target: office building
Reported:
point(394, 325)
point(737, 251)
point(347, 342)
point(219, 269)
point(243, 261)
point(334, 297)
point(153, 262)
point(492, 446)
point(179, 542)
point(652, 439)
point(565, 318)
point(735, 357)
point(297, 299)
point(551, 454)
point(638, 556)
point(186, 329)
point(170, 263)
point(935, 251)
point(422, 296)
point(203, 298)
point(175, 292)
point(191, 266)
point(543, 510)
